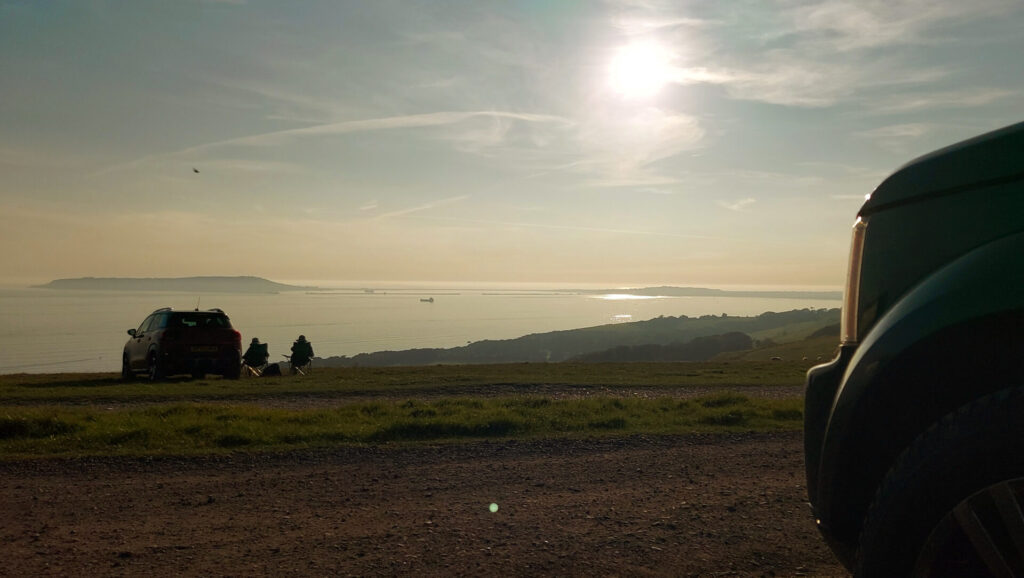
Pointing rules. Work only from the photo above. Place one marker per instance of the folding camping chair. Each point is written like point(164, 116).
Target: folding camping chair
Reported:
point(300, 368)
point(255, 359)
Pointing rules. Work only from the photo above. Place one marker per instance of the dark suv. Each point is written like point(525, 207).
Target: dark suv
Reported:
point(195, 342)
point(914, 434)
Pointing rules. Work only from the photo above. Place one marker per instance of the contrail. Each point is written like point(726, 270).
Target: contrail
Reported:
point(344, 127)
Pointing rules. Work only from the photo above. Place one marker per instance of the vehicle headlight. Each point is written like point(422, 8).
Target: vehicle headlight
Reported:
point(851, 296)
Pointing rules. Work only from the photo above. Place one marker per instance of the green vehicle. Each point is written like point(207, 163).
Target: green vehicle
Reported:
point(914, 434)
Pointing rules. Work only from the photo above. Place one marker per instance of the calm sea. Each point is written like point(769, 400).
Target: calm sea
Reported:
point(43, 330)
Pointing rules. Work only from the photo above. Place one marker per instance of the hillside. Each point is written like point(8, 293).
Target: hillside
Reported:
point(700, 349)
point(820, 346)
point(557, 346)
point(185, 284)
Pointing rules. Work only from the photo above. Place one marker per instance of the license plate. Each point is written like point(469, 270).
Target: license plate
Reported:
point(204, 349)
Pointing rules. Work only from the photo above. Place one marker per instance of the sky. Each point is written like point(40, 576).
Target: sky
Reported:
point(615, 143)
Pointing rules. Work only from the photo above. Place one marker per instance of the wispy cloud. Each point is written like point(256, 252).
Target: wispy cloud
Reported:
point(377, 124)
point(844, 25)
point(896, 137)
point(812, 53)
point(737, 205)
point(249, 166)
point(422, 207)
point(938, 100)
point(622, 148)
point(526, 225)
point(279, 102)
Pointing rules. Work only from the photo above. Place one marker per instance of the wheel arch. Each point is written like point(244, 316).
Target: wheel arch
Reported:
point(963, 324)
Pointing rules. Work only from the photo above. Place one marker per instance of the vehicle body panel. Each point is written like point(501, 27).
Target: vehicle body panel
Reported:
point(956, 337)
point(940, 321)
point(985, 160)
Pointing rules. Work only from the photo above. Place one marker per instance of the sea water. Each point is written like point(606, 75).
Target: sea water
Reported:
point(45, 330)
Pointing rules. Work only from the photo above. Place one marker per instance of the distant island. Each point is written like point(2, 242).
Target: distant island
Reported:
point(180, 284)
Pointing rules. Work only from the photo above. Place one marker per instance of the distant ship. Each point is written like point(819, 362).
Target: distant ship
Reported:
point(427, 300)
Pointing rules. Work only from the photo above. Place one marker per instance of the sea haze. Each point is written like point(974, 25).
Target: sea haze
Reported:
point(46, 330)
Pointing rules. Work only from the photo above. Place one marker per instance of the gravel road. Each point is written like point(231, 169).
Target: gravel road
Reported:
point(697, 505)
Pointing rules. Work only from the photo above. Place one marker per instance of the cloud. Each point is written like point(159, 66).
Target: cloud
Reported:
point(284, 103)
point(423, 207)
point(620, 147)
point(248, 166)
point(526, 225)
point(896, 137)
point(938, 100)
point(737, 205)
point(812, 53)
point(845, 25)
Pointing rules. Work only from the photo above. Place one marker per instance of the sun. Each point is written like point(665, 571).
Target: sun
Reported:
point(640, 70)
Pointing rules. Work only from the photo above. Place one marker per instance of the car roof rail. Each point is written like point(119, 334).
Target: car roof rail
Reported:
point(162, 309)
point(216, 310)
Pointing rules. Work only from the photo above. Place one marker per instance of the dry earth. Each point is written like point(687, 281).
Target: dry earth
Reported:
point(702, 505)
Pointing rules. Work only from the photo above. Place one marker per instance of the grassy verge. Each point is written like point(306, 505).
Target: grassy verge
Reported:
point(438, 379)
point(190, 429)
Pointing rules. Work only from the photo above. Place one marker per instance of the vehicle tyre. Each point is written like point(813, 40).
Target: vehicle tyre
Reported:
point(156, 370)
point(198, 375)
point(950, 506)
point(126, 370)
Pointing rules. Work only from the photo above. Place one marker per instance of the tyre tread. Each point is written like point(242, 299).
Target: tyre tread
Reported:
point(942, 449)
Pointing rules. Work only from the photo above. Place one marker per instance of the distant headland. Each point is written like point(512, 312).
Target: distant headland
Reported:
point(185, 284)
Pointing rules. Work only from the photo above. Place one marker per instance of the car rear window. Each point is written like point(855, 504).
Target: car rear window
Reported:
point(198, 320)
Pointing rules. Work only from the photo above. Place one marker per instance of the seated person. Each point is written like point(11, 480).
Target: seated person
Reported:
point(302, 352)
point(257, 354)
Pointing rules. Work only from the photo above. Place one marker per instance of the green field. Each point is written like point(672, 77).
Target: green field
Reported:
point(98, 414)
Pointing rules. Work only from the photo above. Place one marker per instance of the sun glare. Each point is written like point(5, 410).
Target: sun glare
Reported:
point(640, 70)
point(625, 297)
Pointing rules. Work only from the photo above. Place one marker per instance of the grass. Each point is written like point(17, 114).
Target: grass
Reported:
point(196, 428)
point(436, 379)
point(72, 415)
point(815, 350)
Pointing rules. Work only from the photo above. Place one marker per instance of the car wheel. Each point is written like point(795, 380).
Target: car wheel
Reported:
point(951, 504)
point(126, 370)
point(198, 375)
point(156, 370)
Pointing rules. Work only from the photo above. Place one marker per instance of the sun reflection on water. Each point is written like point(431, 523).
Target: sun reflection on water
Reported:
point(625, 297)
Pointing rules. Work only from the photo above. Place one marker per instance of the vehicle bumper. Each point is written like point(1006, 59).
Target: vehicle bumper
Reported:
point(221, 362)
point(822, 384)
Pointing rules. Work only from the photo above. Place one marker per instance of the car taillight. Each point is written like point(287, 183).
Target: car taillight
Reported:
point(851, 296)
point(236, 337)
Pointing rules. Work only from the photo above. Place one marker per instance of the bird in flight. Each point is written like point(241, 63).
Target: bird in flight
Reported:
point(195, 170)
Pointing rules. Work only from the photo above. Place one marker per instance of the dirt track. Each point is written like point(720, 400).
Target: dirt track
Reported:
point(709, 505)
